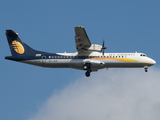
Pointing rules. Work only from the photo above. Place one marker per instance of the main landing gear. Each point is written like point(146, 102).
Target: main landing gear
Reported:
point(87, 66)
point(146, 68)
point(87, 73)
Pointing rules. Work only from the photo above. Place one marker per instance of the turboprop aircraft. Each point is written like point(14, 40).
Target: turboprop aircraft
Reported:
point(88, 56)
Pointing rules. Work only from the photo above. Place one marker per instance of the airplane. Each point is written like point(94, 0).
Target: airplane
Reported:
point(89, 57)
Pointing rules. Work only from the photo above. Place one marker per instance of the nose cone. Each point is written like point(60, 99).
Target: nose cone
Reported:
point(152, 62)
point(148, 61)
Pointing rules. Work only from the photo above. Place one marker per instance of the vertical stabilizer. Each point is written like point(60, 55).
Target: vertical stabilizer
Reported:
point(17, 46)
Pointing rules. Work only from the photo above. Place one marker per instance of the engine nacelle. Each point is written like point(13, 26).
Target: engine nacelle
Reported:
point(95, 47)
point(95, 64)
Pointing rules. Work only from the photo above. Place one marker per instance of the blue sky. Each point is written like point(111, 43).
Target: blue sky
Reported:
point(126, 26)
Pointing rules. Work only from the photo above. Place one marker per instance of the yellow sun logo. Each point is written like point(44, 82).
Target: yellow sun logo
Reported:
point(17, 46)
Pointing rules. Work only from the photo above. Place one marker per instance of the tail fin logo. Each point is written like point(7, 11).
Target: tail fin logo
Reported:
point(18, 47)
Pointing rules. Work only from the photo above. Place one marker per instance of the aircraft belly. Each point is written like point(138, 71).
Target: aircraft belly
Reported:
point(37, 62)
point(51, 63)
point(78, 63)
point(57, 63)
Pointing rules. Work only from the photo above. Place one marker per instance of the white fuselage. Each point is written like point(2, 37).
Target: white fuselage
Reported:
point(97, 60)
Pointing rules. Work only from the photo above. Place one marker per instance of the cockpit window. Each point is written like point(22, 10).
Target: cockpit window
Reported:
point(143, 55)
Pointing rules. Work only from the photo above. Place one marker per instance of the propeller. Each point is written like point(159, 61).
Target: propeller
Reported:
point(103, 48)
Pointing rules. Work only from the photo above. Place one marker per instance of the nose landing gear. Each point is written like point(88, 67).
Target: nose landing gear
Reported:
point(146, 68)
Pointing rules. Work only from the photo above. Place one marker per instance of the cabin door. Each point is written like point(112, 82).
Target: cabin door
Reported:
point(43, 60)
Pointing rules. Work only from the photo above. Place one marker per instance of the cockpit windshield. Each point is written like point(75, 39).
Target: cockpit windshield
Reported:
point(143, 55)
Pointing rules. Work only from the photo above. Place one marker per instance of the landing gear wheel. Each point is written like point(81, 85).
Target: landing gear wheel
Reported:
point(146, 70)
point(87, 67)
point(87, 74)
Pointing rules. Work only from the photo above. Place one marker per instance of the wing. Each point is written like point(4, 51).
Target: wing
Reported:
point(81, 39)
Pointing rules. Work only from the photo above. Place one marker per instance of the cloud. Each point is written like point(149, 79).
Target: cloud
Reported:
point(116, 94)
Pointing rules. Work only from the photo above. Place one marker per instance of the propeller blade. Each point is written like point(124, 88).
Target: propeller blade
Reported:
point(103, 52)
point(103, 44)
point(103, 48)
